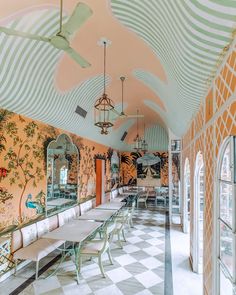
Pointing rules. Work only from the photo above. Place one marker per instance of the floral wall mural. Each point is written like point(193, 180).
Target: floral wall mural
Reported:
point(23, 156)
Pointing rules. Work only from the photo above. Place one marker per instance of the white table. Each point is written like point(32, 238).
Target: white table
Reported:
point(75, 231)
point(118, 199)
point(98, 215)
point(110, 206)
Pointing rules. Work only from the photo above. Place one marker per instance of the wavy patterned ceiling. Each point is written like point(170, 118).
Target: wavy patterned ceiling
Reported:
point(168, 50)
point(189, 37)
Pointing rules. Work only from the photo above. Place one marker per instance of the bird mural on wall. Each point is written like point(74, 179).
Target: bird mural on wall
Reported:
point(33, 204)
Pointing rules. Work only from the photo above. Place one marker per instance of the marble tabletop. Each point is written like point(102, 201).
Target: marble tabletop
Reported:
point(97, 215)
point(74, 231)
point(110, 205)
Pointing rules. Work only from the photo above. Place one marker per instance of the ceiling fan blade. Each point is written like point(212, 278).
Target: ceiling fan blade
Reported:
point(12, 32)
point(80, 14)
point(116, 112)
point(77, 57)
point(135, 116)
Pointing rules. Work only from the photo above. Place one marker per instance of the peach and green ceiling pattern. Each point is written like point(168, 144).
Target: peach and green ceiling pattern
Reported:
point(168, 50)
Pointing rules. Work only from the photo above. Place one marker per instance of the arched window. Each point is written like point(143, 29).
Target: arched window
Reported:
point(226, 225)
point(199, 190)
point(186, 208)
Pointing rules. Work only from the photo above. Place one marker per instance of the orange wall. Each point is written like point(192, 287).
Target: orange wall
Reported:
point(215, 120)
point(23, 144)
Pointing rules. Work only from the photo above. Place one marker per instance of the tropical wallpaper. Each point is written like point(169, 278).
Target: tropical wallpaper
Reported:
point(130, 171)
point(23, 165)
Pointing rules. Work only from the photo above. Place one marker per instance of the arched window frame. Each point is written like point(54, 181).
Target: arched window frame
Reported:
point(199, 165)
point(220, 267)
point(187, 199)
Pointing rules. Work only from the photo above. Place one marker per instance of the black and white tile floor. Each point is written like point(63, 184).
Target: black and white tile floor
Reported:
point(139, 268)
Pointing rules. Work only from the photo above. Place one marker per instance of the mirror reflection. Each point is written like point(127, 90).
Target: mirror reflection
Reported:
point(62, 174)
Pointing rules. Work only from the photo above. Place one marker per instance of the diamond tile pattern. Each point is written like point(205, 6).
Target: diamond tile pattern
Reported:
point(138, 268)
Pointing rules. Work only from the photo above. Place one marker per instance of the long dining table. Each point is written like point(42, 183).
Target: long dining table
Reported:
point(110, 206)
point(102, 215)
point(76, 232)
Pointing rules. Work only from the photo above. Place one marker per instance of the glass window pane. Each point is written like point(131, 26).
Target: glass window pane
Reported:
point(226, 247)
point(226, 287)
point(225, 173)
point(226, 202)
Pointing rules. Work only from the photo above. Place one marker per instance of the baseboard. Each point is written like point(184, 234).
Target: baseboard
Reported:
point(11, 271)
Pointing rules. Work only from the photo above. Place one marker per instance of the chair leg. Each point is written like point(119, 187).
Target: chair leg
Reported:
point(37, 270)
point(131, 221)
point(109, 255)
point(119, 240)
point(79, 264)
point(15, 266)
point(128, 222)
point(101, 266)
point(123, 234)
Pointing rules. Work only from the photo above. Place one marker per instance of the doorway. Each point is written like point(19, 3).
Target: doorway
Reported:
point(100, 181)
point(198, 214)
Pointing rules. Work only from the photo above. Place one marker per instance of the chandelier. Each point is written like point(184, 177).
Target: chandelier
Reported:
point(138, 139)
point(104, 105)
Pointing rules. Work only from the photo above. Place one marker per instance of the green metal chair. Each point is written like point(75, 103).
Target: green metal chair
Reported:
point(120, 221)
point(97, 247)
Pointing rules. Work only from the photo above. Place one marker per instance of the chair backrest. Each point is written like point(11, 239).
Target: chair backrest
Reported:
point(42, 227)
point(86, 206)
point(53, 222)
point(66, 216)
point(120, 190)
point(123, 217)
point(61, 218)
point(107, 196)
point(16, 241)
point(29, 234)
point(114, 193)
point(77, 211)
point(132, 208)
point(70, 214)
point(107, 234)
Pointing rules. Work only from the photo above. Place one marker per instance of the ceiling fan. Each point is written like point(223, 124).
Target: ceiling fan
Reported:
point(61, 40)
point(122, 115)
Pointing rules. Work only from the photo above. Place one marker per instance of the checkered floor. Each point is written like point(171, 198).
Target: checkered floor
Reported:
point(138, 268)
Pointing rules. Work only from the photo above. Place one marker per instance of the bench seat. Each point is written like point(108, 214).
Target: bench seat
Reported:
point(38, 249)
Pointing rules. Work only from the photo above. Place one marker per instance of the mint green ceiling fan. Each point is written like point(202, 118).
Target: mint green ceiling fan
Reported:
point(122, 115)
point(61, 40)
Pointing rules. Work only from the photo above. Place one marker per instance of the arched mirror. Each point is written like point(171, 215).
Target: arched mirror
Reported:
point(115, 163)
point(62, 174)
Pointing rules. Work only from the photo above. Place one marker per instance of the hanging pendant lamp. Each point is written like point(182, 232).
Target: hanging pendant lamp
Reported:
point(144, 145)
point(104, 105)
point(138, 139)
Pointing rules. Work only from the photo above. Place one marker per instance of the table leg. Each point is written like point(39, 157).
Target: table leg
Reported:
point(63, 257)
point(77, 252)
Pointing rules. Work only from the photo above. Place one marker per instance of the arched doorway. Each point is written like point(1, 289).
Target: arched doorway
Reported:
point(198, 214)
point(186, 202)
point(225, 256)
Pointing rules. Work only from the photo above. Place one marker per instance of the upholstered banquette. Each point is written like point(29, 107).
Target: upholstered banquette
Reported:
point(28, 244)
